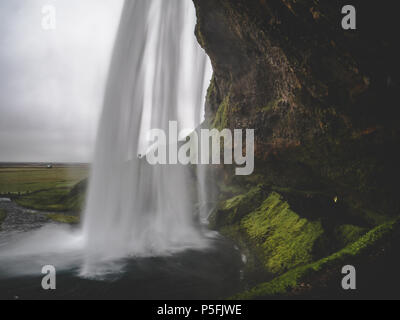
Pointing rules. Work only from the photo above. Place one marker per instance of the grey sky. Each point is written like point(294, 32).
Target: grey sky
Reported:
point(51, 82)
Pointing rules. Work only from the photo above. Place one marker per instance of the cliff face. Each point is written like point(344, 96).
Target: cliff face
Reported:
point(323, 104)
point(321, 99)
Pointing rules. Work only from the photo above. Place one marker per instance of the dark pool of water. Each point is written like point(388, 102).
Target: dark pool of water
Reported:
point(214, 273)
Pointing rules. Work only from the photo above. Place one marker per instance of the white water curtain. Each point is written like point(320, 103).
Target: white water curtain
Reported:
point(158, 74)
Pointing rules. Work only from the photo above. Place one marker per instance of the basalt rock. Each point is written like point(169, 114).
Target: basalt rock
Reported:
point(322, 100)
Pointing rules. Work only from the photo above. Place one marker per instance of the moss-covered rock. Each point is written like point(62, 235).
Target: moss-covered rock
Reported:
point(323, 105)
point(347, 234)
point(265, 224)
point(313, 94)
point(231, 211)
point(286, 239)
point(221, 118)
point(297, 277)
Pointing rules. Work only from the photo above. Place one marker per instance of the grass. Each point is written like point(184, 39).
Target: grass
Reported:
point(54, 190)
point(25, 180)
point(46, 200)
point(62, 218)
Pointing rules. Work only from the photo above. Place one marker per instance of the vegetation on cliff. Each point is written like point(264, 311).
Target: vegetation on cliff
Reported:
point(326, 149)
point(298, 277)
point(274, 229)
point(286, 240)
point(282, 236)
point(314, 97)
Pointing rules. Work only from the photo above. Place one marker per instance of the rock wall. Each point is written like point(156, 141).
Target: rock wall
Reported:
point(323, 104)
point(322, 100)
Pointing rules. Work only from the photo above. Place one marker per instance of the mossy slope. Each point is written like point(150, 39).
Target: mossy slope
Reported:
point(294, 278)
point(277, 236)
point(347, 234)
point(282, 239)
point(231, 211)
point(286, 239)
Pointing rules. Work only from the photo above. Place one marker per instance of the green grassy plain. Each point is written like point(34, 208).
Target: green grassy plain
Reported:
point(25, 179)
point(59, 189)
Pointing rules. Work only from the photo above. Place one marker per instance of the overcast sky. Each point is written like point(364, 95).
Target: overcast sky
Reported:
point(51, 82)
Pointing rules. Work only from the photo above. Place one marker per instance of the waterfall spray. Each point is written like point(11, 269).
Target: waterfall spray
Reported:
point(157, 74)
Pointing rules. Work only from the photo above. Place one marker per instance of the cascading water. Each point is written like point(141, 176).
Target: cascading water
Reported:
point(139, 218)
point(158, 74)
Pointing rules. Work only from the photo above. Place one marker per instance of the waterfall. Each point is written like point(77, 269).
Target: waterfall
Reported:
point(158, 73)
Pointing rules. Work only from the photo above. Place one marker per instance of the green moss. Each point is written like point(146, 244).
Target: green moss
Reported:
point(200, 37)
point(347, 234)
point(278, 237)
point(3, 216)
point(374, 217)
point(243, 200)
point(233, 210)
point(64, 218)
point(286, 239)
point(273, 104)
point(230, 189)
point(221, 118)
point(293, 278)
point(211, 89)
